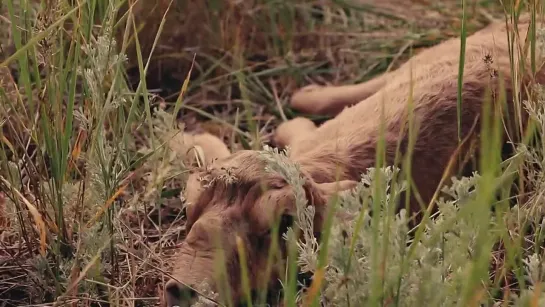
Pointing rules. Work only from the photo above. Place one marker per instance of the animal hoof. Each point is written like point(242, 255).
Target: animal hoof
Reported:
point(311, 99)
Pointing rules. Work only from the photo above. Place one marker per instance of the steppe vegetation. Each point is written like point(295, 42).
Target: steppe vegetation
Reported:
point(90, 206)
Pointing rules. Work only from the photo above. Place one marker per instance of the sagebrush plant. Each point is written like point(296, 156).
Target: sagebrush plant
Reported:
point(438, 268)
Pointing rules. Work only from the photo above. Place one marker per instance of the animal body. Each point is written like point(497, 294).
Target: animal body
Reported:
point(243, 204)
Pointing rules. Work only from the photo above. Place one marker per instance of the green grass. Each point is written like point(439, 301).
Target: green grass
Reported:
point(89, 208)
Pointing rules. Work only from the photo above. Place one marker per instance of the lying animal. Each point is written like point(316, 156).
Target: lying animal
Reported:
point(246, 199)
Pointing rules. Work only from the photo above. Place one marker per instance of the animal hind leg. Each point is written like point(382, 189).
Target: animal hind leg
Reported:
point(331, 100)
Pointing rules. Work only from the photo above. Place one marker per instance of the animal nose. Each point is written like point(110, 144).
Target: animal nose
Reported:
point(178, 294)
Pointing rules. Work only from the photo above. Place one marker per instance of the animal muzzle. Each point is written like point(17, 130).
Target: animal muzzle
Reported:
point(178, 294)
point(190, 271)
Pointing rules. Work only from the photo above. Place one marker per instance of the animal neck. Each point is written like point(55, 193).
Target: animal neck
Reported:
point(340, 159)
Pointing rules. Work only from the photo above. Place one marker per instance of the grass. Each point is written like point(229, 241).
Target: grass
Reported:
point(89, 208)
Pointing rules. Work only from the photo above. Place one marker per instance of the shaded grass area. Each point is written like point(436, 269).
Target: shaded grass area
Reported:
point(89, 205)
point(277, 47)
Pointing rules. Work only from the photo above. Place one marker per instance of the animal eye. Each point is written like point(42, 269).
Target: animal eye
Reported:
point(276, 185)
point(285, 222)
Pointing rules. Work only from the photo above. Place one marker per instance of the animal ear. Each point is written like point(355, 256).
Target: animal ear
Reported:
point(201, 148)
point(330, 189)
point(325, 191)
point(318, 195)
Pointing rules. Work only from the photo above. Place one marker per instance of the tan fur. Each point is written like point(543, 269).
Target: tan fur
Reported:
point(190, 146)
point(348, 141)
point(236, 197)
point(244, 200)
point(293, 130)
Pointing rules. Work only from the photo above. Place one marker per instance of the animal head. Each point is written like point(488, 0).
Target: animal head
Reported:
point(237, 199)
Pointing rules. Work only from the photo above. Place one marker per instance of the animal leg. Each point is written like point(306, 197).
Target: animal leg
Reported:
point(293, 130)
point(331, 100)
